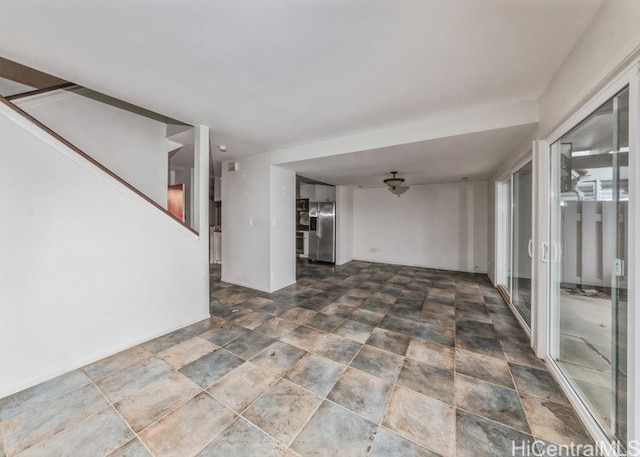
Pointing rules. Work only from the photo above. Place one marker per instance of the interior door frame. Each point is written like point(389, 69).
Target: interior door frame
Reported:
point(545, 310)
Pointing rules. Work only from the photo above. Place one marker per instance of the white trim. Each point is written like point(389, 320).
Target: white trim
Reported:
point(633, 318)
point(503, 224)
point(540, 271)
point(431, 267)
point(608, 91)
point(593, 428)
point(501, 231)
point(545, 337)
point(526, 158)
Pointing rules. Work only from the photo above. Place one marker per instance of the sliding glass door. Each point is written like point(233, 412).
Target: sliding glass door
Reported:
point(521, 214)
point(588, 259)
point(515, 226)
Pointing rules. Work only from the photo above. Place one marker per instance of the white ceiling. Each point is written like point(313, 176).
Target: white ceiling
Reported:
point(473, 156)
point(268, 75)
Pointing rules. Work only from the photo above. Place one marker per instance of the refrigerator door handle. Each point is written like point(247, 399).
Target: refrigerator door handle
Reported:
point(319, 227)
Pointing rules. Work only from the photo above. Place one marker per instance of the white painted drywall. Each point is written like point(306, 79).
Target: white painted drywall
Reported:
point(283, 227)
point(131, 146)
point(258, 224)
point(611, 37)
point(246, 243)
point(88, 267)
point(491, 231)
point(344, 225)
point(437, 226)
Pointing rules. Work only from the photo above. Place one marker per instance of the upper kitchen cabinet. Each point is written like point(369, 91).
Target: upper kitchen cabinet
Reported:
point(318, 192)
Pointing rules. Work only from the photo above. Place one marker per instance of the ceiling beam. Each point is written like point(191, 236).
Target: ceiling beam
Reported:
point(442, 125)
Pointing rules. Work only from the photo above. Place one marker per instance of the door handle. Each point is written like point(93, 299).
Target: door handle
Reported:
point(545, 252)
point(529, 248)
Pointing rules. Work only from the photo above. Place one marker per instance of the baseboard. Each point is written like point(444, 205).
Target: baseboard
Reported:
point(94, 358)
point(432, 267)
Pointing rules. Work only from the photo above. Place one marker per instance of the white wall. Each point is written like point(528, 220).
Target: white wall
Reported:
point(88, 267)
point(437, 226)
point(283, 227)
point(611, 37)
point(246, 242)
point(344, 225)
point(131, 146)
point(258, 224)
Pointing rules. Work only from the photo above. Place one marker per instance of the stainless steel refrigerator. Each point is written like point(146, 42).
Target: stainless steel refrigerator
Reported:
point(322, 231)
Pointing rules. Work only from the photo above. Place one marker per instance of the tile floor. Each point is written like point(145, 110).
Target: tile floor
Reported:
point(359, 360)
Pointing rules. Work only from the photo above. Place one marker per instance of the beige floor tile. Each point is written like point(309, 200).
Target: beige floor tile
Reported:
point(133, 448)
point(276, 327)
point(253, 320)
point(361, 393)
point(431, 353)
point(553, 421)
point(279, 357)
point(52, 417)
point(283, 410)
point(297, 314)
point(189, 428)
point(483, 367)
point(239, 388)
point(307, 338)
point(2, 451)
point(243, 439)
point(424, 420)
point(186, 352)
point(335, 431)
point(126, 382)
point(116, 362)
point(492, 401)
point(157, 399)
point(100, 434)
point(27, 399)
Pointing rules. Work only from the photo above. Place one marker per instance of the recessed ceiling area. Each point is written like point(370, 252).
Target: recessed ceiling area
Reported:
point(269, 75)
point(474, 156)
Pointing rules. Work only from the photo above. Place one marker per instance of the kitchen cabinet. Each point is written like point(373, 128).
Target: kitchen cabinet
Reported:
point(318, 192)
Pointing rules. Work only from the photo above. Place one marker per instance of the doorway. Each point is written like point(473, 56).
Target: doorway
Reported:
point(515, 197)
point(588, 261)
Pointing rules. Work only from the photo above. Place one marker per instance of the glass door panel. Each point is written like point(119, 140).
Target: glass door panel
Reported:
point(588, 255)
point(521, 189)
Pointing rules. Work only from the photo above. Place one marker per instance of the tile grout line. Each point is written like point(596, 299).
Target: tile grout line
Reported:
point(123, 419)
point(353, 284)
point(173, 370)
point(69, 426)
